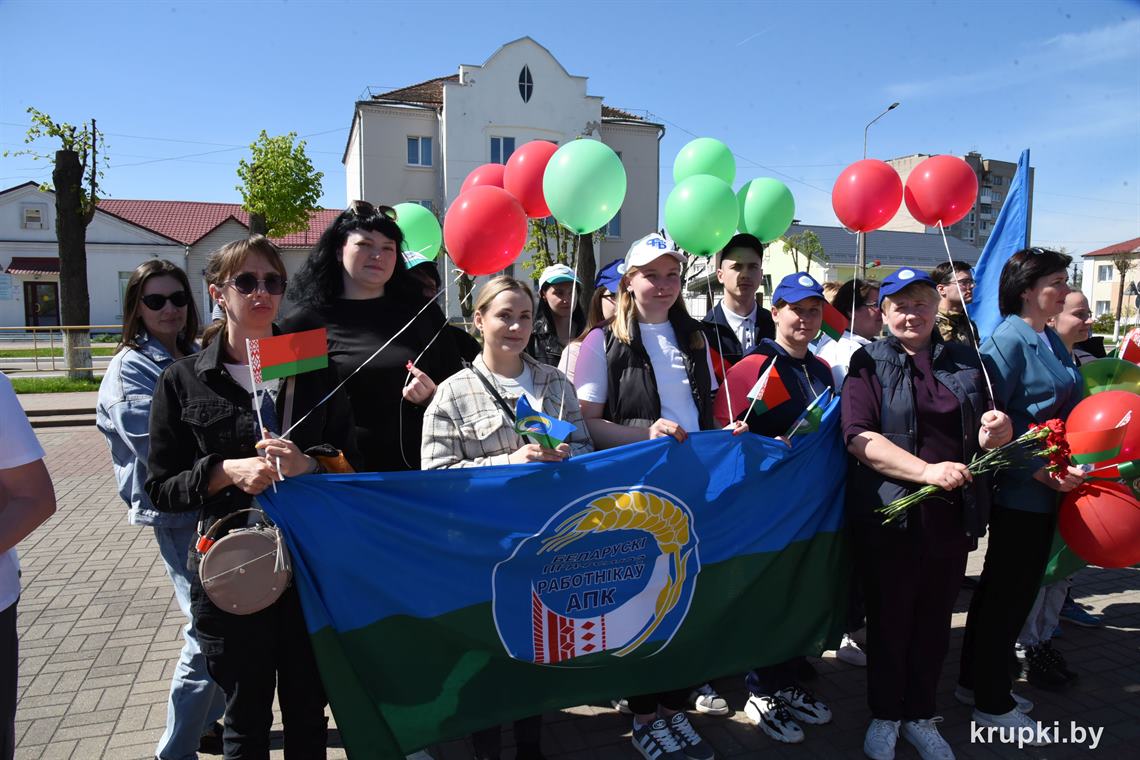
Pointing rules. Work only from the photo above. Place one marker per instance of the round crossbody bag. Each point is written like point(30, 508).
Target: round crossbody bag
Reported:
point(247, 569)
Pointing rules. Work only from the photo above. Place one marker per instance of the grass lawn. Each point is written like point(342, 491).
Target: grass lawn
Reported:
point(48, 352)
point(52, 385)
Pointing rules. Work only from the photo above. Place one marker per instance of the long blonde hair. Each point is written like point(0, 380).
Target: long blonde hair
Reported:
point(622, 324)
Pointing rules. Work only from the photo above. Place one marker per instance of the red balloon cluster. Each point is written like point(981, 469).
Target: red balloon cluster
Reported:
point(941, 189)
point(1100, 522)
point(866, 195)
point(485, 228)
point(1105, 410)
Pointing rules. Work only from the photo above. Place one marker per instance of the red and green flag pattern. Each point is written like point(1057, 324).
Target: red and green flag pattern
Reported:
point(769, 390)
point(291, 354)
point(1092, 446)
point(834, 322)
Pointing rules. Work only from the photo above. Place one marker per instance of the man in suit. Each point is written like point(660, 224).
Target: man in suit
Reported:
point(737, 324)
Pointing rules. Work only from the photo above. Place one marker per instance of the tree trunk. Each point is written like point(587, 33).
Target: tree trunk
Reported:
point(586, 269)
point(71, 234)
point(257, 225)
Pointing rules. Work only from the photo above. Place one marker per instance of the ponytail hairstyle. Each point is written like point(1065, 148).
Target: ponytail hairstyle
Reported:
point(132, 305)
point(227, 261)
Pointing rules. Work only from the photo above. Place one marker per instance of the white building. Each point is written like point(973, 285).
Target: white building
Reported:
point(418, 143)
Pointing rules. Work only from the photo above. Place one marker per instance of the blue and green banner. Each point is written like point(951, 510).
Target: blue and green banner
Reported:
point(443, 602)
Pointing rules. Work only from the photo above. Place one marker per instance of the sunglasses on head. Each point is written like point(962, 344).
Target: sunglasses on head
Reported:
point(246, 283)
point(365, 210)
point(155, 301)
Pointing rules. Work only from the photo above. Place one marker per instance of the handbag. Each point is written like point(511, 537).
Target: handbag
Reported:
point(247, 569)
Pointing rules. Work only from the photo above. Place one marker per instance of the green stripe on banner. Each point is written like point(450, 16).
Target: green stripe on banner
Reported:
point(403, 683)
point(294, 368)
point(1093, 457)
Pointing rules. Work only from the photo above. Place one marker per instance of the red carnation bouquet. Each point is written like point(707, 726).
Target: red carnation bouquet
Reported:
point(1046, 440)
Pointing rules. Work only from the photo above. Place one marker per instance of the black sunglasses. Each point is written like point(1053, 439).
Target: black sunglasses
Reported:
point(155, 301)
point(246, 283)
point(365, 210)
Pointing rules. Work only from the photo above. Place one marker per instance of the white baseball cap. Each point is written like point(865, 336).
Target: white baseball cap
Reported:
point(649, 248)
point(556, 273)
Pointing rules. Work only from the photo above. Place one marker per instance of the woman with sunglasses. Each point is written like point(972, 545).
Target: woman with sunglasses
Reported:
point(209, 456)
point(160, 324)
point(356, 284)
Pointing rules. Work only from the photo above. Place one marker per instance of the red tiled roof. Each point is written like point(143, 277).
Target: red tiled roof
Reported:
point(1128, 246)
point(33, 265)
point(431, 93)
point(189, 221)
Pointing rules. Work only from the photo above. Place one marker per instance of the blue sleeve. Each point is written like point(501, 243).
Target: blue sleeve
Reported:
point(1005, 364)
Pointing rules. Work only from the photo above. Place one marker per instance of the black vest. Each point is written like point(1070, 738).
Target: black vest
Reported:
point(632, 398)
point(956, 366)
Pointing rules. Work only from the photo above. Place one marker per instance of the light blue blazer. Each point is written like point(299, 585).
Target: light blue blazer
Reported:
point(1034, 380)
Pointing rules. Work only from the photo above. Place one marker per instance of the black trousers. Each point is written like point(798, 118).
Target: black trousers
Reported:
point(1015, 561)
point(489, 741)
point(9, 661)
point(253, 656)
point(910, 598)
point(646, 704)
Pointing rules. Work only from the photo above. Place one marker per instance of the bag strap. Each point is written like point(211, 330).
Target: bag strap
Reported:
point(510, 413)
point(213, 531)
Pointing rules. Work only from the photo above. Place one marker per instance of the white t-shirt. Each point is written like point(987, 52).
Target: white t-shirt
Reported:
point(592, 382)
point(569, 361)
point(18, 446)
point(514, 387)
point(838, 353)
point(744, 327)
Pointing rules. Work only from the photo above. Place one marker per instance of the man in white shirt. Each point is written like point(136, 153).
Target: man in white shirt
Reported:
point(736, 324)
point(27, 499)
point(867, 326)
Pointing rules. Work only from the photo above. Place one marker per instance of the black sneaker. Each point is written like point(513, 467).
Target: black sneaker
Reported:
point(656, 742)
point(1058, 661)
point(1041, 672)
point(694, 747)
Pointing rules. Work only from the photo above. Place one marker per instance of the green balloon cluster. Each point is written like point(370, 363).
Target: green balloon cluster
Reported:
point(701, 214)
point(704, 155)
point(584, 185)
point(766, 208)
point(422, 233)
point(1110, 374)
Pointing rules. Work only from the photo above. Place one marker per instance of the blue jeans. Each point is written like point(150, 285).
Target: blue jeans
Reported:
point(195, 700)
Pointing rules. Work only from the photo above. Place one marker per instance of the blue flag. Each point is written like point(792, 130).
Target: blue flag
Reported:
point(1010, 235)
point(541, 428)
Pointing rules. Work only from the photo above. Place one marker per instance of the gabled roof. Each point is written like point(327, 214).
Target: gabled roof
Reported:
point(1128, 246)
point(890, 247)
point(189, 221)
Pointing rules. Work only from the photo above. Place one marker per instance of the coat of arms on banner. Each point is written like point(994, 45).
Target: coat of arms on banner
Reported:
point(610, 574)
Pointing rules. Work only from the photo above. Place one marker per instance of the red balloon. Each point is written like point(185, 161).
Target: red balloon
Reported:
point(1104, 410)
point(1101, 523)
point(484, 230)
point(866, 195)
point(941, 188)
point(523, 176)
point(487, 174)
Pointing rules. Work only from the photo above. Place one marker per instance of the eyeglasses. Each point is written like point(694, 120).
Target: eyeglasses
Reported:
point(967, 283)
point(155, 301)
point(365, 210)
point(247, 283)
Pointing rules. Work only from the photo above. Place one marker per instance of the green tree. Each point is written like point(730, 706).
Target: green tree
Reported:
point(805, 244)
point(550, 243)
point(75, 180)
point(279, 185)
point(1123, 262)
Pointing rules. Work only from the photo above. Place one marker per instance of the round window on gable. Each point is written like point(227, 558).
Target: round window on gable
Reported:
point(526, 84)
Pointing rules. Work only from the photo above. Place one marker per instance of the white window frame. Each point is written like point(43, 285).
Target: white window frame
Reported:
point(491, 148)
point(420, 151)
point(124, 278)
point(996, 180)
point(1102, 308)
point(610, 233)
point(1104, 272)
point(38, 211)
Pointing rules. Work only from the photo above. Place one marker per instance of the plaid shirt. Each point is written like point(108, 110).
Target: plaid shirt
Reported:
point(464, 426)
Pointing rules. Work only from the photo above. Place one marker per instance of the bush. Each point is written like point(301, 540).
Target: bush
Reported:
point(1104, 323)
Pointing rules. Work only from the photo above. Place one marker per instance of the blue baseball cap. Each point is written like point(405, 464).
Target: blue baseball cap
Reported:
point(795, 287)
point(609, 276)
point(902, 278)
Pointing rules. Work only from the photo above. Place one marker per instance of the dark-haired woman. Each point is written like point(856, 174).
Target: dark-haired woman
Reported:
point(356, 285)
point(209, 456)
point(160, 324)
point(1034, 380)
point(559, 317)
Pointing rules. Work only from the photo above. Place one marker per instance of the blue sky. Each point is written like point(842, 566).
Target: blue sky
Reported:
point(181, 88)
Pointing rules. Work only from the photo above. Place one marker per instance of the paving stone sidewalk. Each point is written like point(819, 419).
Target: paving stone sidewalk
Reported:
point(100, 635)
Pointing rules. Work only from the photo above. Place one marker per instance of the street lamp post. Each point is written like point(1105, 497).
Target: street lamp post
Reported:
point(861, 257)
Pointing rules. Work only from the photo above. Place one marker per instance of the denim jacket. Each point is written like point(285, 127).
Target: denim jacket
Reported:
point(123, 416)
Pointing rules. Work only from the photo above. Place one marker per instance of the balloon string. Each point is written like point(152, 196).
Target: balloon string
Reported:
point(720, 349)
point(573, 294)
point(969, 325)
point(856, 278)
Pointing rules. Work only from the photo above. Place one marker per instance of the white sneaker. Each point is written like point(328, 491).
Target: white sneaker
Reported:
point(804, 706)
point(966, 697)
point(1014, 720)
point(879, 743)
point(622, 706)
point(706, 700)
point(923, 734)
point(771, 714)
point(851, 653)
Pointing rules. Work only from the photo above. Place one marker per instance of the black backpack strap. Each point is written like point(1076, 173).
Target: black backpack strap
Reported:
point(494, 393)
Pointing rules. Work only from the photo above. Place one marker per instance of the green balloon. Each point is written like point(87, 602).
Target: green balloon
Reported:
point(705, 155)
point(766, 208)
point(584, 185)
point(1110, 374)
point(701, 214)
point(422, 233)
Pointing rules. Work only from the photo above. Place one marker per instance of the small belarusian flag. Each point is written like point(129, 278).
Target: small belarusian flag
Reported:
point(834, 322)
point(1130, 347)
point(285, 355)
point(809, 420)
point(769, 390)
point(1093, 446)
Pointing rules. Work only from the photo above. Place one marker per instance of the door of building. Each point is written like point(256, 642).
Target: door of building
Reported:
point(41, 304)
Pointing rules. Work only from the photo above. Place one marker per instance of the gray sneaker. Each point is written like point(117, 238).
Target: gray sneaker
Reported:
point(656, 742)
point(694, 747)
